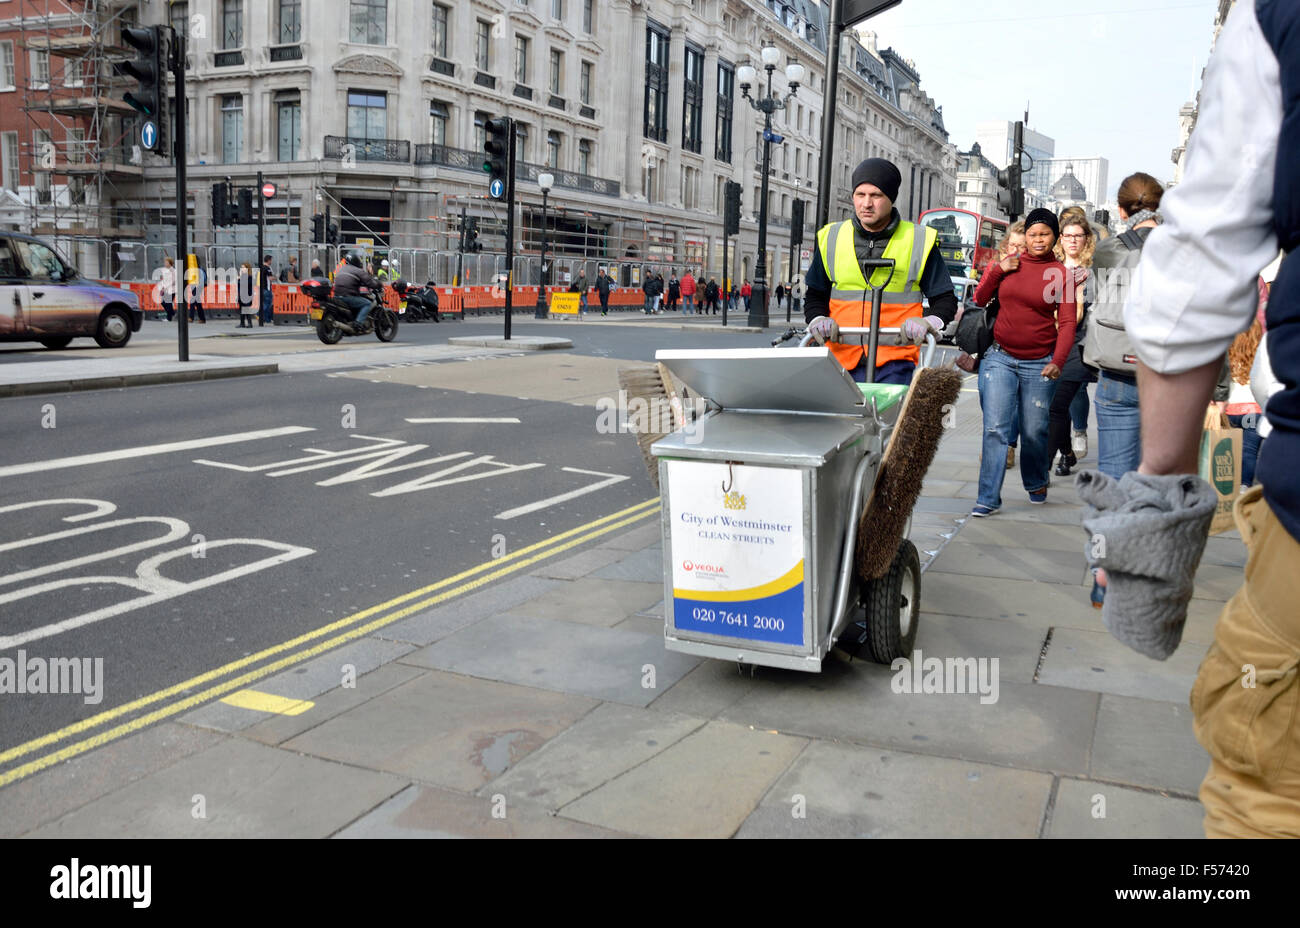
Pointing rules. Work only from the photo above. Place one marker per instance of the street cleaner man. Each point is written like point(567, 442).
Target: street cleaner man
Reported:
point(839, 295)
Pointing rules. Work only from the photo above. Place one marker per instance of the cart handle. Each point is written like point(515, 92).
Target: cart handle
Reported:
point(930, 343)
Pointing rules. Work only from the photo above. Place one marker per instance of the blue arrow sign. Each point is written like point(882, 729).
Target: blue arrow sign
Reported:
point(497, 188)
point(770, 136)
point(149, 135)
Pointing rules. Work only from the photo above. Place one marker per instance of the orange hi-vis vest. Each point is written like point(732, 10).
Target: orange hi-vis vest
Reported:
point(850, 303)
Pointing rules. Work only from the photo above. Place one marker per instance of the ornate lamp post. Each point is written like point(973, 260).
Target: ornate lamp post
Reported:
point(767, 105)
point(546, 182)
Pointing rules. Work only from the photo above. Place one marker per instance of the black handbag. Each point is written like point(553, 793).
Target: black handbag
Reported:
point(975, 330)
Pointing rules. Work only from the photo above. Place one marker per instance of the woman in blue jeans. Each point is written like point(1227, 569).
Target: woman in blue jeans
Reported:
point(1018, 373)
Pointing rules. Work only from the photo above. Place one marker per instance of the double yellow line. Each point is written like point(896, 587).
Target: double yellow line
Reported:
point(335, 634)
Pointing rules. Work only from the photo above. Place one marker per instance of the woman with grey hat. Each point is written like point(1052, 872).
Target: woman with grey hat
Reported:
point(1019, 371)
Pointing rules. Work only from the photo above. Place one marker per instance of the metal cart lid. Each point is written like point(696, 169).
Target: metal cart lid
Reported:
point(793, 380)
point(773, 439)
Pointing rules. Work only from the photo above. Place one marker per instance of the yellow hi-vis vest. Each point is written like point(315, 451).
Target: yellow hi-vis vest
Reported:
point(850, 303)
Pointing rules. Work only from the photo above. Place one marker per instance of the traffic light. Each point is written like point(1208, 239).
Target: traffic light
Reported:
point(731, 213)
point(220, 205)
point(318, 228)
point(332, 234)
point(1011, 192)
point(146, 68)
point(244, 215)
point(472, 244)
point(796, 219)
point(496, 146)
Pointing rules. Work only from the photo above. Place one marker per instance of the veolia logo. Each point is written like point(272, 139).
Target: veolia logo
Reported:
point(687, 565)
point(1225, 477)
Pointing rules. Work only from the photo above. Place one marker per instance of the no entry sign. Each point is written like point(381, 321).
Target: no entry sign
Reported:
point(268, 190)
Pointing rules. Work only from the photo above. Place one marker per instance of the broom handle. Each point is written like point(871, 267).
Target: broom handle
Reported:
point(930, 344)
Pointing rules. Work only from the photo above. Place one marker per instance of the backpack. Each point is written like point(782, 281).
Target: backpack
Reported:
point(1106, 344)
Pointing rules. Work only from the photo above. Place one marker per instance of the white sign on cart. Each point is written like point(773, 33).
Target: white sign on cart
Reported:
point(738, 550)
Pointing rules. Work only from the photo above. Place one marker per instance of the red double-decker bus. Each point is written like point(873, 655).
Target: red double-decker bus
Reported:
point(967, 240)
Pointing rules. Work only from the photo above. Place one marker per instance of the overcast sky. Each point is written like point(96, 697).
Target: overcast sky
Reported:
point(1101, 78)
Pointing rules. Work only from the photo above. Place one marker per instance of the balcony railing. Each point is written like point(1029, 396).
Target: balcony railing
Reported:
point(570, 179)
point(556, 101)
point(485, 80)
point(286, 53)
point(523, 92)
point(449, 157)
point(461, 159)
point(442, 66)
point(343, 147)
point(227, 59)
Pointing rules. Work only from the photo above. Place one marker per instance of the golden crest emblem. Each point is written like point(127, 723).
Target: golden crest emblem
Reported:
point(733, 500)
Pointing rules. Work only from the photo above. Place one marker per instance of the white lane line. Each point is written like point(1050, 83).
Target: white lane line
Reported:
point(463, 421)
point(143, 451)
point(543, 504)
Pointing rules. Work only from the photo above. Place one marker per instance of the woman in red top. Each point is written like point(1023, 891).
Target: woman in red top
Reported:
point(1019, 371)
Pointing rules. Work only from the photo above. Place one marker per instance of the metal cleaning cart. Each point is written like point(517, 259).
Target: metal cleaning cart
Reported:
point(761, 499)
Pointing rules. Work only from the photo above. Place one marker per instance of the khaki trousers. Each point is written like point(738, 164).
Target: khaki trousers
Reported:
point(1247, 692)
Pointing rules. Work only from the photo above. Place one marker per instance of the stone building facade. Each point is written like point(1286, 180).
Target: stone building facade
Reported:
point(374, 110)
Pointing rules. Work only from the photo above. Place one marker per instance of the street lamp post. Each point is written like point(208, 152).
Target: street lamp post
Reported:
point(766, 105)
point(546, 182)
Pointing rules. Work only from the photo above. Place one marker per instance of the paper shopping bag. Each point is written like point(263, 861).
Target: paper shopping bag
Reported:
point(1220, 466)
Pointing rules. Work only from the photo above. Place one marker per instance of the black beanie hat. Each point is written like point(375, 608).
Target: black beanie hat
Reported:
point(1046, 217)
point(880, 172)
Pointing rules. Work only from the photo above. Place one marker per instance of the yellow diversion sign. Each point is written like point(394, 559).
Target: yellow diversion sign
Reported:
point(565, 303)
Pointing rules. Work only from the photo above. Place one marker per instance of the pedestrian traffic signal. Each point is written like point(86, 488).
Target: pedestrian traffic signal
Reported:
point(731, 213)
point(146, 68)
point(244, 215)
point(318, 228)
point(496, 146)
point(220, 205)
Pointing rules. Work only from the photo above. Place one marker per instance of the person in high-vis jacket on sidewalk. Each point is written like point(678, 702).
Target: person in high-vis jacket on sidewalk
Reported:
point(1194, 290)
point(838, 293)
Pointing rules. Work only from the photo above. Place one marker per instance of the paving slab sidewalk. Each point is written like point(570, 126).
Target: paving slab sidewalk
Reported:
point(547, 705)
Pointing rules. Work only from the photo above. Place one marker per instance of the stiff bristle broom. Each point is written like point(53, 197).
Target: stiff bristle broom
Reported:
point(907, 458)
point(654, 409)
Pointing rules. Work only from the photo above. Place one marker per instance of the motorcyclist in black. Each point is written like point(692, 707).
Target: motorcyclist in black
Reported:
point(347, 288)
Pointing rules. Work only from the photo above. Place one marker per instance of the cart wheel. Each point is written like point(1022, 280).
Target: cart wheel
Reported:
point(893, 608)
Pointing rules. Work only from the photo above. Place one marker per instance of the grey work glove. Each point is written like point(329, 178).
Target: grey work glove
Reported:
point(824, 329)
point(913, 331)
point(1148, 533)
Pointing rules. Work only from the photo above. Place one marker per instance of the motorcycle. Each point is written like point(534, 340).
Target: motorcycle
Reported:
point(421, 303)
point(334, 319)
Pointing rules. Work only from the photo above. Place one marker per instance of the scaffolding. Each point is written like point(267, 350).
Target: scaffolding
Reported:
point(80, 138)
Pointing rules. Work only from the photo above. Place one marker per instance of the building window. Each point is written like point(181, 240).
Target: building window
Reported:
point(483, 46)
point(290, 17)
point(656, 83)
point(480, 129)
point(584, 83)
point(584, 156)
point(693, 101)
point(521, 59)
point(232, 128)
point(9, 156)
point(588, 11)
point(521, 142)
point(961, 186)
point(7, 66)
point(40, 64)
point(179, 15)
point(368, 22)
point(43, 154)
point(367, 114)
point(438, 123)
point(289, 130)
point(557, 71)
point(553, 143)
point(557, 9)
point(722, 127)
point(232, 24)
point(440, 14)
